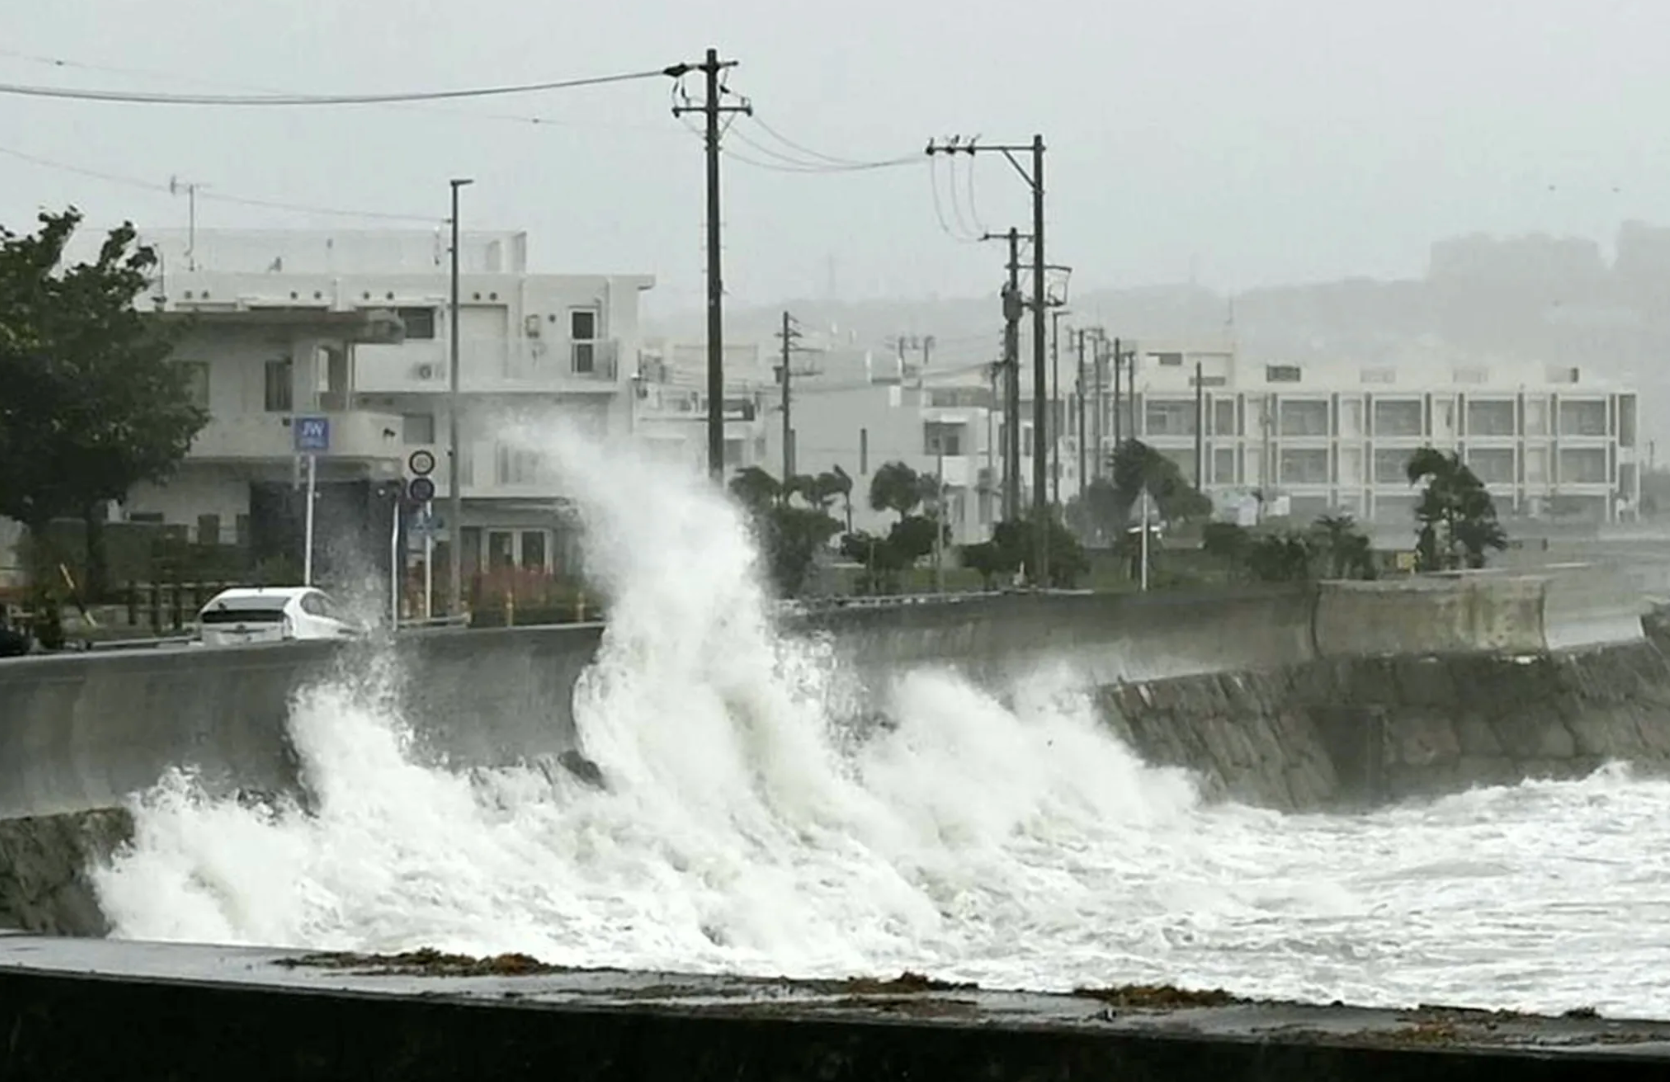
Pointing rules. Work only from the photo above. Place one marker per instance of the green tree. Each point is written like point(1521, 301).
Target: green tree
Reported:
point(1136, 466)
point(1344, 550)
point(897, 487)
point(789, 537)
point(1456, 522)
point(1282, 557)
point(91, 405)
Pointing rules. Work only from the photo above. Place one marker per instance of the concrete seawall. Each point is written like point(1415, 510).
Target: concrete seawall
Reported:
point(82, 732)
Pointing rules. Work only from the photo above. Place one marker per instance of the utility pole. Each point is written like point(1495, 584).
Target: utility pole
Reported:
point(1118, 436)
point(1200, 430)
point(1035, 180)
point(1080, 427)
point(1040, 510)
point(788, 334)
point(1012, 308)
point(1054, 408)
point(1100, 419)
point(711, 109)
point(455, 494)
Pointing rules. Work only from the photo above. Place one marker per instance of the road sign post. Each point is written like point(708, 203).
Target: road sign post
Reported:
point(313, 437)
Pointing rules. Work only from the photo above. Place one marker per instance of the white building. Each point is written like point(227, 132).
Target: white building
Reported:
point(1337, 437)
point(669, 412)
point(289, 325)
point(859, 411)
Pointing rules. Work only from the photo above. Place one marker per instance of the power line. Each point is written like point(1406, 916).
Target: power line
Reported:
point(135, 97)
point(146, 73)
point(164, 189)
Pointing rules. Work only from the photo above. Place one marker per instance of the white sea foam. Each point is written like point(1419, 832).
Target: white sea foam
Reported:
point(1014, 845)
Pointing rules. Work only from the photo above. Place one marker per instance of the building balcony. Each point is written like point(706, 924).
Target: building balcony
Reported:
point(250, 437)
point(490, 365)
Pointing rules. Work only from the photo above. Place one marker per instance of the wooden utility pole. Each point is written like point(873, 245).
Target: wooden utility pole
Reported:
point(1200, 430)
point(1034, 178)
point(712, 108)
point(788, 334)
point(1012, 307)
point(1079, 429)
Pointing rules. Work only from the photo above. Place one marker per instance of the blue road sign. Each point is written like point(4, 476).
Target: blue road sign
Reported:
point(421, 489)
point(313, 434)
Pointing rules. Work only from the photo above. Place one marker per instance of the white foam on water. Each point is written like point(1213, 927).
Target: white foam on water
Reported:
point(1016, 845)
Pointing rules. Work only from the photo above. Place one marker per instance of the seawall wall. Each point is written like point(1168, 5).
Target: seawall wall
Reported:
point(81, 732)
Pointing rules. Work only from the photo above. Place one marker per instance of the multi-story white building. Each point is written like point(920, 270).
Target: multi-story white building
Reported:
point(1338, 437)
point(861, 410)
point(288, 325)
point(670, 405)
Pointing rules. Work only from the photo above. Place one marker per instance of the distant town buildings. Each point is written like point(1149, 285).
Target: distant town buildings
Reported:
point(291, 325)
point(1337, 437)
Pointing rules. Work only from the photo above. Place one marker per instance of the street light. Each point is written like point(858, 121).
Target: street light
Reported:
point(455, 497)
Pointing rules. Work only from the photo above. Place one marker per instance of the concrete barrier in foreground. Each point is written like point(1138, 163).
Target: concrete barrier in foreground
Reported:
point(192, 1012)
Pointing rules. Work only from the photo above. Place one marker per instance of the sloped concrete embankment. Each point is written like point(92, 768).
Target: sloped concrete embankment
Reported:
point(1349, 731)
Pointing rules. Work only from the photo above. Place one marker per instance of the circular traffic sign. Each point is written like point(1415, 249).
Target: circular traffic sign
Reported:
point(421, 490)
point(421, 462)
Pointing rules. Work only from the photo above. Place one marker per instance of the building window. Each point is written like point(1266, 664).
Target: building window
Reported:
point(1492, 465)
point(533, 550)
point(280, 386)
point(1378, 375)
point(733, 452)
point(1398, 418)
point(419, 322)
point(1281, 373)
point(1583, 466)
point(1174, 418)
point(1391, 465)
point(1536, 416)
point(1223, 418)
point(1223, 465)
point(512, 466)
point(1170, 360)
point(1304, 466)
point(208, 529)
point(417, 428)
point(1583, 418)
point(1490, 418)
point(582, 333)
point(1472, 374)
point(1304, 418)
point(197, 382)
point(939, 438)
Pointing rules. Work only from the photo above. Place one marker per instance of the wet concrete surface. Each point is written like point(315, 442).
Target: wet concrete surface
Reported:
point(406, 1016)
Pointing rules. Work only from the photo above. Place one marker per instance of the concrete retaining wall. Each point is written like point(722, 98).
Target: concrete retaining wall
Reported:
point(79, 732)
point(1558, 609)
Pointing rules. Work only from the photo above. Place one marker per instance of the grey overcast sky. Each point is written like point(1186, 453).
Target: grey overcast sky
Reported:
point(1246, 142)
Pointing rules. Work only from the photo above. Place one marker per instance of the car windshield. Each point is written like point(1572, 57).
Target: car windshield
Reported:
point(245, 610)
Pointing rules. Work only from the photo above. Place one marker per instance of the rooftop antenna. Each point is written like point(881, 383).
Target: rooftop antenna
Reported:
point(175, 186)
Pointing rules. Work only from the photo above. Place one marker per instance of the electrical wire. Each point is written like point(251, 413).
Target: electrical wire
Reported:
point(939, 206)
point(134, 97)
point(212, 196)
point(472, 114)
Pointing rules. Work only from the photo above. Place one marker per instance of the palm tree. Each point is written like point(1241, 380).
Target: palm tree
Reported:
point(1456, 516)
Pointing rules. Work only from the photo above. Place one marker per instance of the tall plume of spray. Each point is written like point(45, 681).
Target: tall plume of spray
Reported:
point(733, 833)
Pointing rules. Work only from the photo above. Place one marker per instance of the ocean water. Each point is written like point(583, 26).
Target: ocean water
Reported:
point(746, 830)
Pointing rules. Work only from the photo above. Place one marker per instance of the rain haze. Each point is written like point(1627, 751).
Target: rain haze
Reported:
point(1236, 145)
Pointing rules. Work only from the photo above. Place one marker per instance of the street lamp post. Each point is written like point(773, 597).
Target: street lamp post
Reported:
point(455, 496)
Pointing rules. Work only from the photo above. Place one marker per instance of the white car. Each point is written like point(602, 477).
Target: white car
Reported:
point(254, 614)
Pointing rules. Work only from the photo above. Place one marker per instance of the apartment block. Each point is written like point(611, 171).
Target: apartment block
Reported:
point(352, 328)
point(1548, 442)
